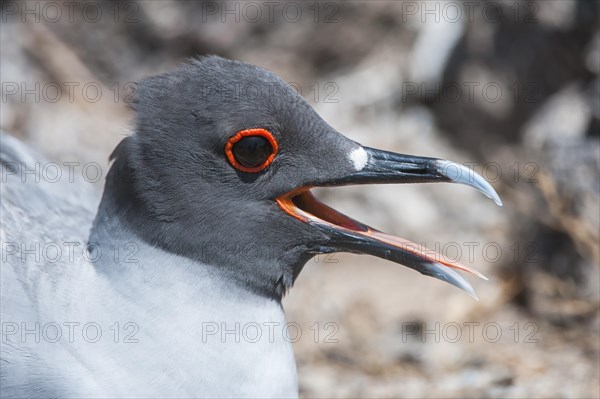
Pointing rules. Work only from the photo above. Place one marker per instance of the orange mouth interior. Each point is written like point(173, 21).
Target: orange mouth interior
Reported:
point(302, 205)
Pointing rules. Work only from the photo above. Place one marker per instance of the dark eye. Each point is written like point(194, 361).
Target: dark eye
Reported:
point(251, 150)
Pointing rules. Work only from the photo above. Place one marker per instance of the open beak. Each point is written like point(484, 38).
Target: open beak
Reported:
point(349, 235)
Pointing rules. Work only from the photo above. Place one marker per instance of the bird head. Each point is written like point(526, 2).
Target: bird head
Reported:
point(220, 170)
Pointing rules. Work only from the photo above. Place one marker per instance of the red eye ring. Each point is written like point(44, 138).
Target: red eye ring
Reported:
point(245, 133)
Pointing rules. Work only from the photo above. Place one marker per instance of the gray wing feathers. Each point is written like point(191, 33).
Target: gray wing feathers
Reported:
point(37, 218)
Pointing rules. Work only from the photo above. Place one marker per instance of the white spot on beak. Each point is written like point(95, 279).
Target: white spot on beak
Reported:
point(359, 158)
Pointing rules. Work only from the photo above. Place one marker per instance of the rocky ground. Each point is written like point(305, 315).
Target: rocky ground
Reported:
point(390, 75)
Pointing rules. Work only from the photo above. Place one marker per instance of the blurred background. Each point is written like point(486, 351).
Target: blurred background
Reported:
point(508, 87)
